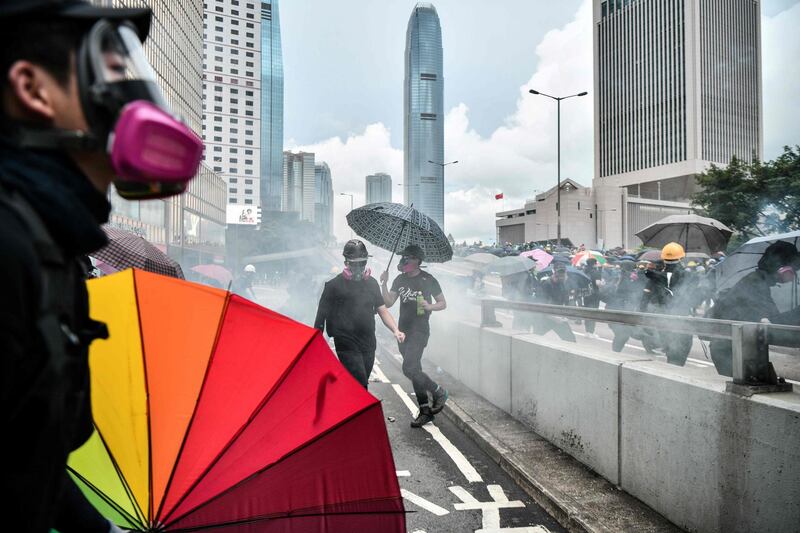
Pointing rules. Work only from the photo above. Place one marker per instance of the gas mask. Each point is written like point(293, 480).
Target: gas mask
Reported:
point(152, 153)
point(356, 271)
point(407, 264)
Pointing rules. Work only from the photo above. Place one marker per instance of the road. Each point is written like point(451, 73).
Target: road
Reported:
point(449, 484)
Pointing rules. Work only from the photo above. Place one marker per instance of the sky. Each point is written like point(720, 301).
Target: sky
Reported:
point(343, 64)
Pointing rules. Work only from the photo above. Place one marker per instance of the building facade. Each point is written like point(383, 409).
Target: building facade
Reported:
point(423, 181)
point(232, 95)
point(323, 198)
point(271, 107)
point(190, 227)
point(299, 184)
point(677, 88)
point(378, 188)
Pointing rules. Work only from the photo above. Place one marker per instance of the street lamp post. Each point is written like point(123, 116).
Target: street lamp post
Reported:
point(442, 165)
point(558, 189)
point(351, 207)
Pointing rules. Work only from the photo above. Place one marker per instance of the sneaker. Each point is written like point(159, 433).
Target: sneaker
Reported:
point(439, 398)
point(423, 417)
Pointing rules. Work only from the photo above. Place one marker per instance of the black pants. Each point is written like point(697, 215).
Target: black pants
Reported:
point(591, 302)
point(411, 350)
point(358, 363)
point(542, 324)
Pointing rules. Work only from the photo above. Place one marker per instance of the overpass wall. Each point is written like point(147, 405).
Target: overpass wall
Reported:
point(706, 459)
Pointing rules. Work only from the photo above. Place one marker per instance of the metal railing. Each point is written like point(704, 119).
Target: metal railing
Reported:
point(752, 370)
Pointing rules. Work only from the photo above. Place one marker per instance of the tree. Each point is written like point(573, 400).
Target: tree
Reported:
point(753, 199)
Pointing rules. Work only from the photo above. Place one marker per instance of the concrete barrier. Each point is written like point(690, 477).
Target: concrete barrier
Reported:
point(706, 459)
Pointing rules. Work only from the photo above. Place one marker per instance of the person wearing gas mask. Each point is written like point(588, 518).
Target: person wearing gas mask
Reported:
point(347, 310)
point(553, 290)
point(750, 300)
point(420, 294)
point(79, 110)
point(667, 292)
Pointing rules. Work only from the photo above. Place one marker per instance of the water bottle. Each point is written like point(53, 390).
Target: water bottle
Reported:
point(420, 309)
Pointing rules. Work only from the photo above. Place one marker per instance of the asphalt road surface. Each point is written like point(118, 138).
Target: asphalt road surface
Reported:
point(449, 484)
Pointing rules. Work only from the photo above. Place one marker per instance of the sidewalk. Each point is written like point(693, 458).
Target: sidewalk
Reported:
point(577, 497)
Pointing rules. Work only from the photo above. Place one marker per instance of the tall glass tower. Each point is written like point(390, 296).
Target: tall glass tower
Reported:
point(423, 183)
point(271, 108)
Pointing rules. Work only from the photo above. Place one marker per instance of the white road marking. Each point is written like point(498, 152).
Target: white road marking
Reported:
point(423, 503)
point(403, 473)
point(490, 510)
point(378, 375)
point(455, 454)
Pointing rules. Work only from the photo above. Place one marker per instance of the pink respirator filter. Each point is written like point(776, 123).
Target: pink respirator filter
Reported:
point(149, 145)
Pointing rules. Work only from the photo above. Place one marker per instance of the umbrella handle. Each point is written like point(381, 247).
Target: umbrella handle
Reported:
point(394, 251)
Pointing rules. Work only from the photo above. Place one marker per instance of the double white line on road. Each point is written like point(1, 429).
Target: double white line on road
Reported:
point(455, 454)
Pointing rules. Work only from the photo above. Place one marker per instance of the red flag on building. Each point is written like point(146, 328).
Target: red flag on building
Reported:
point(498, 196)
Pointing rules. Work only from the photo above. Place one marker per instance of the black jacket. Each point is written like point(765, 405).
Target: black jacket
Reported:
point(44, 387)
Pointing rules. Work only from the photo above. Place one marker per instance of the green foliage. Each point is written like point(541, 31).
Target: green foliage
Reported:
point(753, 199)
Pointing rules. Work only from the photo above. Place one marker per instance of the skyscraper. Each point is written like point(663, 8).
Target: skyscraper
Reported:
point(423, 182)
point(271, 108)
point(232, 95)
point(379, 188)
point(299, 185)
point(323, 198)
point(677, 87)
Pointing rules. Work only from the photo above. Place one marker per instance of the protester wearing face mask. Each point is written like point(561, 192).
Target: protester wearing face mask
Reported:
point(79, 110)
point(347, 310)
point(553, 291)
point(417, 291)
point(751, 300)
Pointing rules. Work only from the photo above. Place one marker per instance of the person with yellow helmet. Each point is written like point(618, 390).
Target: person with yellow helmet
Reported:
point(666, 293)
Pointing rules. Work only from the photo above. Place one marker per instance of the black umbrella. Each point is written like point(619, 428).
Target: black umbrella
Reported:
point(575, 276)
point(693, 232)
point(509, 265)
point(745, 259)
point(394, 226)
point(128, 250)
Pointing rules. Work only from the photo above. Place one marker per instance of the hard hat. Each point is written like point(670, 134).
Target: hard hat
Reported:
point(250, 268)
point(672, 252)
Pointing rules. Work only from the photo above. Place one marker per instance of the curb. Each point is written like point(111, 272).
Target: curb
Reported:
point(563, 508)
point(567, 512)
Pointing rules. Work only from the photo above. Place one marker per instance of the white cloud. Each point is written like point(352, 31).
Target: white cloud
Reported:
point(520, 156)
point(780, 42)
point(516, 159)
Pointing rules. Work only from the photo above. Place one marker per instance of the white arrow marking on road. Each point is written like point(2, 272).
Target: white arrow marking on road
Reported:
point(403, 473)
point(489, 510)
point(422, 502)
point(455, 454)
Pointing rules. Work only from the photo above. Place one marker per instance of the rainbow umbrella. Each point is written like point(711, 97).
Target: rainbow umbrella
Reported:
point(213, 412)
point(581, 257)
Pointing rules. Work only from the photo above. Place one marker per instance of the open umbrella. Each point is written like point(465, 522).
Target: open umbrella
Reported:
point(212, 412)
point(395, 226)
point(650, 255)
point(581, 257)
point(509, 265)
point(693, 232)
point(542, 258)
point(215, 272)
point(481, 258)
point(745, 258)
point(575, 277)
point(128, 250)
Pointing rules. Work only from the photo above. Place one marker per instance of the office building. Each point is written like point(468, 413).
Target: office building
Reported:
point(323, 198)
point(232, 72)
point(271, 107)
point(190, 227)
point(677, 87)
point(423, 181)
point(379, 188)
point(299, 184)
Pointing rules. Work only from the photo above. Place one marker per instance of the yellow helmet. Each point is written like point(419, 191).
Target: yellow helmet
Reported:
point(672, 252)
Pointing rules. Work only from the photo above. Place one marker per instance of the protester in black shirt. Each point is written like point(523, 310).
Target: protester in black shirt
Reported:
point(417, 291)
point(592, 300)
point(553, 291)
point(348, 306)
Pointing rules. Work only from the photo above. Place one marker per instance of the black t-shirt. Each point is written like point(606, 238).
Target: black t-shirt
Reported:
point(347, 308)
point(407, 289)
